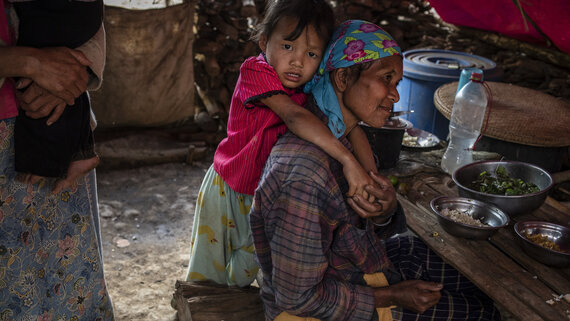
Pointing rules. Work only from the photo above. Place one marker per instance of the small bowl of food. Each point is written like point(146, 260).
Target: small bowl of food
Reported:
point(546, 242)
point(420, 139)
point(514, 187)
point(468, 218)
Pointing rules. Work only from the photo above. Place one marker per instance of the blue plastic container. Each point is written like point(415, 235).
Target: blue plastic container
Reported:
point(427, 69)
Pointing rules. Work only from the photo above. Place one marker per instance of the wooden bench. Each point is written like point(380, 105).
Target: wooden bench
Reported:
point(206, 301)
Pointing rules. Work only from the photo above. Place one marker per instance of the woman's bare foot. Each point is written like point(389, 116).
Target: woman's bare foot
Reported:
point(76, 170)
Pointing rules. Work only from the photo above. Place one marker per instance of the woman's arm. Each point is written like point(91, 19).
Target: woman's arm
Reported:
point(39, 106)
point(61, 71)
point(95, 51)
point(308, 127)
point(416, 295)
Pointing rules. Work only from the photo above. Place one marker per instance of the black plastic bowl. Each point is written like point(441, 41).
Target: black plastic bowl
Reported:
point(386, 142)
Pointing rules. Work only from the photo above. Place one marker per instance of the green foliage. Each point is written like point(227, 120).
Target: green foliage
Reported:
point(502, 184)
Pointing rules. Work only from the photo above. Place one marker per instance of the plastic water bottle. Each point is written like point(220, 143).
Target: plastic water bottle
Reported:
point(465, 124)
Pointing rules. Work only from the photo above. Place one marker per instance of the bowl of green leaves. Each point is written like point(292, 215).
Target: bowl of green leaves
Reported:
point(514, 187)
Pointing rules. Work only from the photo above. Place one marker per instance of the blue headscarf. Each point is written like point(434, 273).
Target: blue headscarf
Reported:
point(353, 42)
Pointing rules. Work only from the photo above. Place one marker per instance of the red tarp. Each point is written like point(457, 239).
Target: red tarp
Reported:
point(552, 17)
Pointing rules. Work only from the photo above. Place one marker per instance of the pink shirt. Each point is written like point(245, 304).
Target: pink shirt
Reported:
point(253, 128)
point(8, 107)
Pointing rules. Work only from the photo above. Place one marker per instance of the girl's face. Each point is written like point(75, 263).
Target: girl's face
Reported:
point(371, 97)
point(295, 61)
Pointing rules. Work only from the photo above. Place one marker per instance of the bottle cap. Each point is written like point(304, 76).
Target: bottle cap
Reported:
point(466, 76)
point(475, 76)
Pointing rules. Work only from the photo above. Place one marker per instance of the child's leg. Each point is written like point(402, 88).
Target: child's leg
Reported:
point(83, 161)
point(219, 233)
point(76, 170)
point(242, 268)
point(208, 243)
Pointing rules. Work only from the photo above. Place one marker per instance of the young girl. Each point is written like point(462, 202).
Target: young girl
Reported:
point(266, 102)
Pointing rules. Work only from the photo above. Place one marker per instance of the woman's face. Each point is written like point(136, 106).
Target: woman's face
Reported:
point(371, 97)
point(295, 61)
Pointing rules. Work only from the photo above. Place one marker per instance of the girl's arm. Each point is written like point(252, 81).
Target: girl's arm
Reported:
point(308, 127)
point(362, 149)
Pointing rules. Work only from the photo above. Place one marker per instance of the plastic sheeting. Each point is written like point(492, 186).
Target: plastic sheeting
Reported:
point(552, 17)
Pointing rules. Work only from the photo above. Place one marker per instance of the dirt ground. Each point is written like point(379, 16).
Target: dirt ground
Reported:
point(146, 221)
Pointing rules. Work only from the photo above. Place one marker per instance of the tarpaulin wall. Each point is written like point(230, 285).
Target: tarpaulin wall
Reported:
point(551, 17)
point(149, 75)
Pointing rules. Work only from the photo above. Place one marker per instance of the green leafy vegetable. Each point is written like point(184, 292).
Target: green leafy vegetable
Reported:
point(502, 184)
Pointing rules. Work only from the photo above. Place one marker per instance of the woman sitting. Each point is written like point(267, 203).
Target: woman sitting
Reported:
point(323, 260)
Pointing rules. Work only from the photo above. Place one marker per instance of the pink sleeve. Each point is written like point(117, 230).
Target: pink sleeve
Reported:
point(8, 107)
point(258, 80)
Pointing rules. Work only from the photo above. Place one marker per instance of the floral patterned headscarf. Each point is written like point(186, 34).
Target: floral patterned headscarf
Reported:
point(353, 42)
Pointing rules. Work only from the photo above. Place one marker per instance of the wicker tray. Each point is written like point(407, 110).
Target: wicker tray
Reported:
point(517, 115)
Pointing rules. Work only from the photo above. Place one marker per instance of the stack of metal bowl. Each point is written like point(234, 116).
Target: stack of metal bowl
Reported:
point(513, 205)
point(492, 217)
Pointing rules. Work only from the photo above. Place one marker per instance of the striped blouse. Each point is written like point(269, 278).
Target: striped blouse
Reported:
point(312, 248)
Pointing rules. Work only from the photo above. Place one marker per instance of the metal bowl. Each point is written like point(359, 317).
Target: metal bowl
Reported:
point(558, 234)
point(512, 205)
point(486, 213)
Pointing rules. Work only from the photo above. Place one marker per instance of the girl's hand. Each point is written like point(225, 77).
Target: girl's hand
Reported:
point(61, 71)
point(38, 103)
point(357, 180)
point(383, 191)
point(385, 199)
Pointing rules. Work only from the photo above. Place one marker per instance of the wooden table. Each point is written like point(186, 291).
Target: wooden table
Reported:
point(497, 266)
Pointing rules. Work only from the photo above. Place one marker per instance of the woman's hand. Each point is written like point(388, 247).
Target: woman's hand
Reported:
point(385, 199)
point(416, 295)
point(61, 71)
point(38, 103)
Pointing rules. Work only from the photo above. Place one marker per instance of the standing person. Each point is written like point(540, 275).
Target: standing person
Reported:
point(266, 101)
point(320, 260)
point(64, 148)
point(51, 264)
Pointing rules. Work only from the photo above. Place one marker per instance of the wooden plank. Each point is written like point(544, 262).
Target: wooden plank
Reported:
point(559, 206)
point(522, 296)
point(180, 304)
point(525, 285)
point(551, 214)
point(204, 301)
